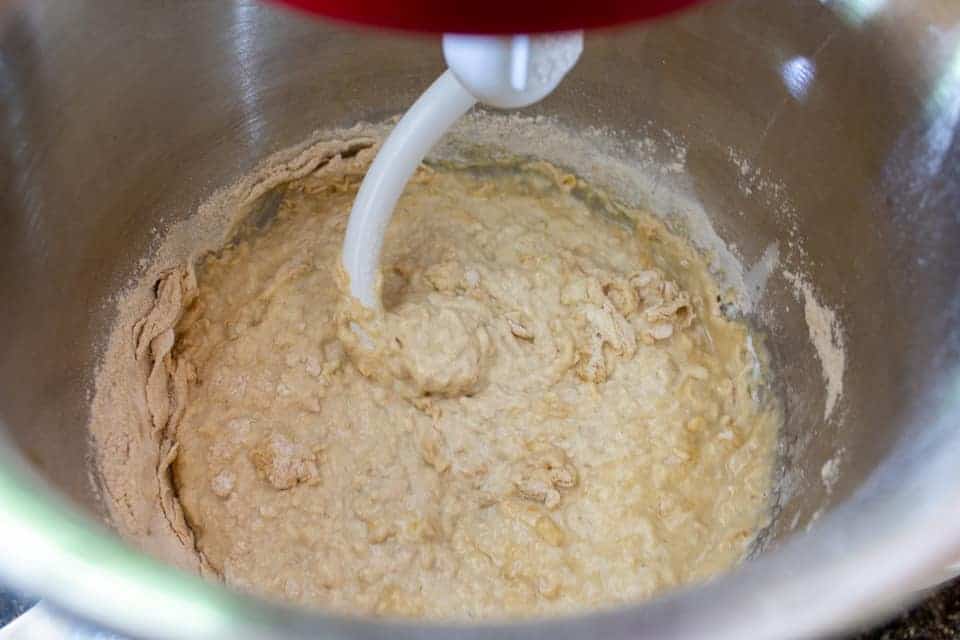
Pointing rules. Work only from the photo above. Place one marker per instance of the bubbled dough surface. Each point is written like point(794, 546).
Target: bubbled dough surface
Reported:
point(554, 415)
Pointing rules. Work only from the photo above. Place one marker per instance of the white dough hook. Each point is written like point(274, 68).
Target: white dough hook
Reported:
point(501, 71)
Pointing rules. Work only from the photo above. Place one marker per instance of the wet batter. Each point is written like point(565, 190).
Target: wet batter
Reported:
point(551, 414)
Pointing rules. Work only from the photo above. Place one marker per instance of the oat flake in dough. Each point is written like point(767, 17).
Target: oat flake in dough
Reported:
point(554, 416)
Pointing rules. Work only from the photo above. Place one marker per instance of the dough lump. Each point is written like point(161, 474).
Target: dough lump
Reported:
point(551, 414)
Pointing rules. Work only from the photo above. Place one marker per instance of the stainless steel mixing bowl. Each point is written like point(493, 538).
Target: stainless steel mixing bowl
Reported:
point(119, 114)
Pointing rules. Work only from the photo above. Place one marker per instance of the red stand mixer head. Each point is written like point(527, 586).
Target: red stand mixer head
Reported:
point(489, 16)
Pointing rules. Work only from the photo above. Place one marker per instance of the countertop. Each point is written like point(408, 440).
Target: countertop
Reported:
point(935, 618)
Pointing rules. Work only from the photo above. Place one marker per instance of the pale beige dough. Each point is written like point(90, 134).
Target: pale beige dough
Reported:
point(553, 415)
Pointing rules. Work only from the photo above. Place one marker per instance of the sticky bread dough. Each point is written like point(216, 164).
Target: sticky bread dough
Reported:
point(553, 415)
